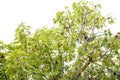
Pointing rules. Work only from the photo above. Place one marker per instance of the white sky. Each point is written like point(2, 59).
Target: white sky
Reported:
point(38, 13)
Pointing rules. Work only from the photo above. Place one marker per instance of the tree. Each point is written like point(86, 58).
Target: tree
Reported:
point(81, 47)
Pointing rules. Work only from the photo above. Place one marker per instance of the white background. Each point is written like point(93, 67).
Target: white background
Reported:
point(38, 13)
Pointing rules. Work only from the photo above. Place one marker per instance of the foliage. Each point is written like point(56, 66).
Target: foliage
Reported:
point(81, 47)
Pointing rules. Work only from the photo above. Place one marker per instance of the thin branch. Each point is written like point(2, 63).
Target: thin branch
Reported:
point(68, 22)
point(51, 60)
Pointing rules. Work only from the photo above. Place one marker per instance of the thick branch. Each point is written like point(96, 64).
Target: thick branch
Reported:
point(87, 63)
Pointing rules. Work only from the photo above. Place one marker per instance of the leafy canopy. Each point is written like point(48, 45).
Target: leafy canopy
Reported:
point(81, 47)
